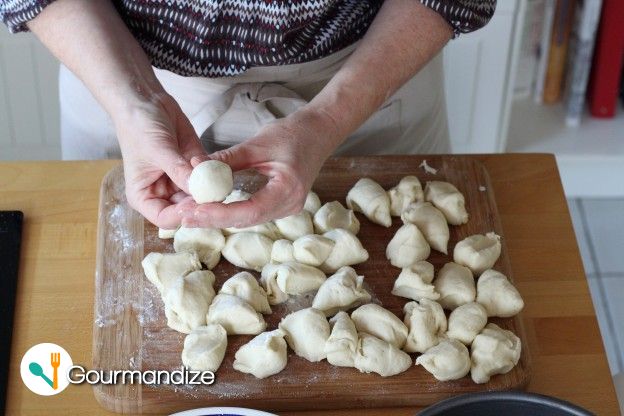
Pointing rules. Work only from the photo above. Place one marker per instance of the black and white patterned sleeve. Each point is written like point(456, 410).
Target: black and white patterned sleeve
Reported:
point(16, 13)
point(464, 16)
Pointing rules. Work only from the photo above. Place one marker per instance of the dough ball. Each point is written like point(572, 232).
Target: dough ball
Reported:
point(267, 229)
point(187, 300)
point(466, 321)
point(380, 322)
point(295, 226)
point(369, 198)
point(407, 191)
point(426, 322)
point(415, 282)
point(478, 252)
point(263, 356)
point(407, 247)
point(166, 234)
point(282, 251)
point(312, 249)
point(248, 250)
point(378, 356)
point(307, 331)
point(246, 287)
point(163, 268)
point(204, 348)
point(494, 351)
point(347, 250)
point(312, 203)
point(333, 215)
point(291, 278)
point(431, 222)
point(497, 295)
point(210, 181)
point(341, 292)
point(447, 199)
point(235, 315)
point(237, 196)
point(342, 343)
point(455, 285)
point(206, 242)
point(449, 360)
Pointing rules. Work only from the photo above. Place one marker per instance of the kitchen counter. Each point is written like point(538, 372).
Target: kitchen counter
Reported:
point(56, 286)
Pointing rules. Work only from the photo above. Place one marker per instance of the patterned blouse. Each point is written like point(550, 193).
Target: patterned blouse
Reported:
point(216, 38)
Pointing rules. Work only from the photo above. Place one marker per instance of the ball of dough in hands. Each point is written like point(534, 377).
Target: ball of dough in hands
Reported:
point(246, 287)
point(449, 360)
point(466, 321)
point(307, 331)
point(312, 249)
point(426, 322)
point(414, 282)
point(333, 215)
point(342, 343)
point(210, 181)
point(348, 250)
point(497, 295)
point(204, 348)
point(374, 355)
point(263, 356)
point(248, 250)
point(369, 198)
point(206, 242)
point(407, 247)
point(494, 351)
point(312, 203)
point(282, 251)
point(163, 268)
point(295, 226)
point(455, 285)
point(408, 190)
point(291, 278)
point(381, 323)
point(431, 222)
point(447, 199)
point(340, 292)
point(235, 315)
point(187, 300)
point(478, 252)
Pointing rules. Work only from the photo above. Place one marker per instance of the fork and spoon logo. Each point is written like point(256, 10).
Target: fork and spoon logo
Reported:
point(44, 369)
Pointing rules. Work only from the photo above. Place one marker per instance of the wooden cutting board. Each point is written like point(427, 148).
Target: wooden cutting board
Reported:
point(130, 329)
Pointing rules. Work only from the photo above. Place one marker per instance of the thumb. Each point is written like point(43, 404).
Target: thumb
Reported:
point(176, 167)
point(238, 157)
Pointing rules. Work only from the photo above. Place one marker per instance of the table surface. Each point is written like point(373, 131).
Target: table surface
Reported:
point(55, 291)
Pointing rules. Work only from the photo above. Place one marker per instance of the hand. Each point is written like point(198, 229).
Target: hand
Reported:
point(290, 152)
point(157, 143)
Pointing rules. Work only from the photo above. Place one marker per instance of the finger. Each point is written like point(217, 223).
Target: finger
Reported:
point(161, 213)
point(176, 167)
point(238, 157)
point(196, 160)
point(178, 197)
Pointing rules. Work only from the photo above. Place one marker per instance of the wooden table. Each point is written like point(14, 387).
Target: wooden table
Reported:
point(55, 291)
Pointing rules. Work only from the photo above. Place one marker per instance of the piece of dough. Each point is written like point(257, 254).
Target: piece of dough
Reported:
point(378, 356)
point(235, 315)
point(282, 251)
point(246, 287)
point(166, 234)
point(415, 282)
point(407, 247)
point(497, 295)
point(377, 321)
point(369, 198)
point(342, 343)
point(449, 360)
point(312, 203)
point(263, 356)
point(447, 199)
point(206, 242)
point(204, 348)
point(426, 322)
point(291, 278)
point(494, 351)
point(210, 181)
point(248, 250)
point(347, 251)
point(312, 249)
point(236, 195)
point(431, 222)
point(334, 215)
point(340, 292)
point(407, 191)
point(295, 226)
point(267, 228)
point(187, 300)
point(163, 268)
point(466, 321)
point(478, 252)
point(455, 285)
point(307, 331)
